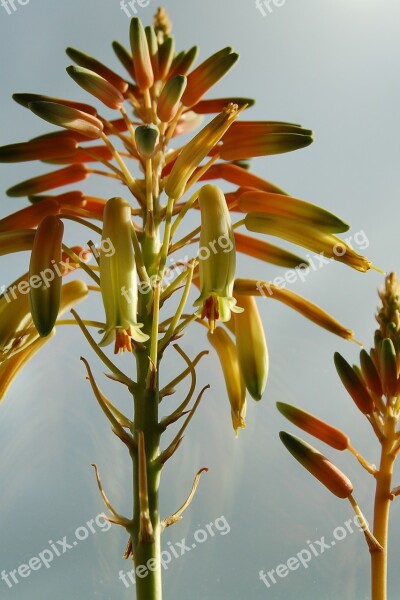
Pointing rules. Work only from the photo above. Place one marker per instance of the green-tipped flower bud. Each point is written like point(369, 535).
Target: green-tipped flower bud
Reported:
point(97, 86)
point(170, 98)
point(314, 426)
point(183, 61)
point(318, 465)
point(45, 276)
point(370, 373)
point(388, 367)
point(88, 62)
point(146, 137)
point(165, 56)
point(207, 74)
point(354, 385)
point(70, 118)
point(141, 56)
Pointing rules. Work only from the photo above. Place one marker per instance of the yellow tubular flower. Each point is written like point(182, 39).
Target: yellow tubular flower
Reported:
point(227, 354)
point(251, 346)
point(118, 280)
point(19, 339)
point(251, 287)
point(197, 149)
point(274, 204)
point(309, 237)
point(217, 257)
point(17, 331)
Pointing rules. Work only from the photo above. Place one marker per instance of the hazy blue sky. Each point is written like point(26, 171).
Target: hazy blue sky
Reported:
point(331, 66)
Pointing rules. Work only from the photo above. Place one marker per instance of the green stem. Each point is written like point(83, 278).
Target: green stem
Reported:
point(145, 535)
point(383, 499)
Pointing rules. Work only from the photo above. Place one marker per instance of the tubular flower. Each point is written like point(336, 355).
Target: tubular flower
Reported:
point(17, 330)
point(16, 240)
point(118, 280)
point(197, 149)
point(207, 74)
point(275, 204)
point(297, 232)
point(235, 386)
point(251, 346)
point(168, 103)
point(314, 426)
point(251, 287)
point(45, 275)
point(217, 257)
point(19, 338)
point(30, 216)
point(318, 465)
point(141, 57)
point(97, 86)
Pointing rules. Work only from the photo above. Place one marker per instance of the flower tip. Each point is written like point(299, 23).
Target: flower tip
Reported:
point(238, 422)
point(378, 270)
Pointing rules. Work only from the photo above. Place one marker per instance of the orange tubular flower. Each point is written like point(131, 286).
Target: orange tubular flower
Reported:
point(38, 150)
point(27, 99)
point(70, 118)
point(318, 465)
point(238, 175)
point(97, 86)
point(240, 148)
point(314, 426)
point(88, 62)
point(17, 240)
point(30, 217)
point(205, 107)
point(207, 74)
point(45, 276)
point(141, 57)
point(49, 181)
point(266, 252)
point(170, 97)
